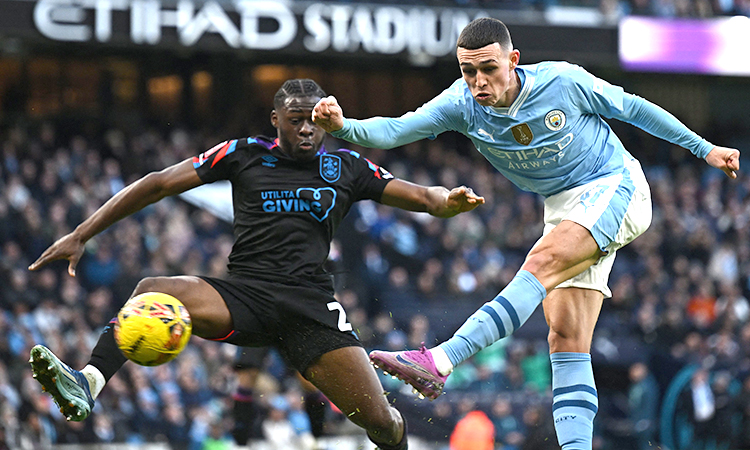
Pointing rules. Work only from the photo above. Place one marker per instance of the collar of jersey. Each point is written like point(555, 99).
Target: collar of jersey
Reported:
point(527, 82)
point(275, 150)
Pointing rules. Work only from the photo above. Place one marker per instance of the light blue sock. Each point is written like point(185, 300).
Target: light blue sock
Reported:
point(574, 399)
point(497, 318)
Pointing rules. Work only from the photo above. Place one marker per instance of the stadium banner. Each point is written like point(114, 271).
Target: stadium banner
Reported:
point(420, 32)
point(242, 24)
point(709, 46)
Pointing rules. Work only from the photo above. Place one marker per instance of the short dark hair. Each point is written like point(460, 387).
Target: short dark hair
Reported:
point(482, 32)
point(300, 87)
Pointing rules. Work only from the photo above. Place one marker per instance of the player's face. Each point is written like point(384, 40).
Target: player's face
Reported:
point(299, 136)
point(490, 74)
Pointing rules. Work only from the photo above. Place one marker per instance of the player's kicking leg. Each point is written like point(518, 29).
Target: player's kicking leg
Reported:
point(566, 251)
point(75, 391)
point(347, 379)
point(427, 370)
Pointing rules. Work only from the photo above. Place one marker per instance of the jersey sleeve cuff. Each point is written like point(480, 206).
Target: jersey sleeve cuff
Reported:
point(703, 149)
point(343, 131)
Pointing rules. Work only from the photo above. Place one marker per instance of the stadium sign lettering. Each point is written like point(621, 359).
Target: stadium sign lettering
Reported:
point(244, 24)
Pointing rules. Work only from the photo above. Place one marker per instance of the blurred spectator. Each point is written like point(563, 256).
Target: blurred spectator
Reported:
point(536, 368)
point(741, 405)
point(722, 427)
point(731, 306)
point(643, 401)
point(280, 432)
point(508, 431)
point(539, 430)
point(701, 308)
point(701, 397)
point(419, 332)
point(217, 438)
point(399, 297)
point(474, 432)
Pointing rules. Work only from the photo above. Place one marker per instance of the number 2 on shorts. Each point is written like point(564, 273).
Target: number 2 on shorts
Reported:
point(343, 324)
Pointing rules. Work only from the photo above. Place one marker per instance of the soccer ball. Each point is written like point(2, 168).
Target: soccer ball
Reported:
point(152, 328)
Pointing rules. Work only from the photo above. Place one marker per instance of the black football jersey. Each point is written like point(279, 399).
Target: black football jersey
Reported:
point(286, 211)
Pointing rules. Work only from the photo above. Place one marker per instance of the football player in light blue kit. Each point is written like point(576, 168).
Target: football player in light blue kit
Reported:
point(541, 126)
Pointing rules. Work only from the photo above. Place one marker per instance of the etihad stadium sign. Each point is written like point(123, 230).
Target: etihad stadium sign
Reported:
point(256, 25)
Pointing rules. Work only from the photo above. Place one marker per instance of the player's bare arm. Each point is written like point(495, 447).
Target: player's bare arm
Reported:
point(147, 190)
point(436, 200)
point(726, 159)
point(328, 114)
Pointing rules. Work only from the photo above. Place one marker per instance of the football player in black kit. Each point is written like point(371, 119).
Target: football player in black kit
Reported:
point(289, 196)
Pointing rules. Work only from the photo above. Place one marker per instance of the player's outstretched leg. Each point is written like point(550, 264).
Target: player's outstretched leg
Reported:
point(427, 370)
point(347, 379)
point(69, 388)
point(75, 391)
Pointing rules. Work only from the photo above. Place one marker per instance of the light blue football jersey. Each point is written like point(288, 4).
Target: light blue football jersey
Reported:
point(551, 138)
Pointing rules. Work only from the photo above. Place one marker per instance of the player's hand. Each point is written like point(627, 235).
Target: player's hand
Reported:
point(726, 159)
point(328, 114)
point(463, 199)
point(68, 247)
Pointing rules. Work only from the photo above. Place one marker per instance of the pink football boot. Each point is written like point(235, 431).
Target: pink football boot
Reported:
point(414, 367)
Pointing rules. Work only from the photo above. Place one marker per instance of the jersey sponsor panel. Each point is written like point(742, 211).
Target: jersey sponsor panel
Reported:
point(318, 202)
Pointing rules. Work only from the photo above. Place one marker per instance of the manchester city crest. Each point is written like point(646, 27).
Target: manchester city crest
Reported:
point(330, 167)
point(555, 120)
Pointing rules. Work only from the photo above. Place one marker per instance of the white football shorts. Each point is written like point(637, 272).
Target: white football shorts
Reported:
point(616, 209)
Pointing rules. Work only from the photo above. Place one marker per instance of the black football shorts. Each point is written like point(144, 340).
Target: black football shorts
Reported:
point(250, 358)
point(303, 322)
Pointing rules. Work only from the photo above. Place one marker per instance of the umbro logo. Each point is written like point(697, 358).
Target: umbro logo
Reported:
point(269, 160)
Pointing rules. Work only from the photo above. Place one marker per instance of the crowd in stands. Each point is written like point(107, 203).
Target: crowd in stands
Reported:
point(680, 300)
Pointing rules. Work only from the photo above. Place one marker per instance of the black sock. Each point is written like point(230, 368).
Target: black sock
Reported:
point(316, 407)
point(245, 413)
point(403, 445)
point(106, 356)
